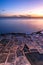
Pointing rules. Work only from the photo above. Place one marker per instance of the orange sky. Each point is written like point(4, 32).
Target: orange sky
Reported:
point(21, 7)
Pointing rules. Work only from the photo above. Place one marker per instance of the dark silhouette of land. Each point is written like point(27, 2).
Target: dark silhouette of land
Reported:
point(23, 16)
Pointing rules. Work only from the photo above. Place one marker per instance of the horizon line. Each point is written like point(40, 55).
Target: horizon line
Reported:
point(21, 16)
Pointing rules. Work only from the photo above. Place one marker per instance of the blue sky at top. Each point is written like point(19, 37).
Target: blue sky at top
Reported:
point(21, 7)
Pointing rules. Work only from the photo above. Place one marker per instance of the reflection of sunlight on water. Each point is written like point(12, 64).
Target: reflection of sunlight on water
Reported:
point(37, 23)
point(21, 25)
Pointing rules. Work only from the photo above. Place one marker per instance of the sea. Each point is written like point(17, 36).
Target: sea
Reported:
point(20, 25)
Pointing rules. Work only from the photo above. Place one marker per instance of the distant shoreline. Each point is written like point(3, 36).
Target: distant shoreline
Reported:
point(21, 17)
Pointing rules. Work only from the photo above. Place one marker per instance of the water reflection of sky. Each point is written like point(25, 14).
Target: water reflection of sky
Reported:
point(20, 25)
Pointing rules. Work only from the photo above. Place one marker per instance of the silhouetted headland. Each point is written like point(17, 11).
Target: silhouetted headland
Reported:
point(22, 17)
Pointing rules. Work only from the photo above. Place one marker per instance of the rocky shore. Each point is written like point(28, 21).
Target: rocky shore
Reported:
point(21, 48)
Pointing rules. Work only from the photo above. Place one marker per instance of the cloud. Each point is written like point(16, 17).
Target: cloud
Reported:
point(3, 10)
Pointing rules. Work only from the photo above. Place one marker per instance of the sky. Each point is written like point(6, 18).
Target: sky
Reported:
point(21, 7)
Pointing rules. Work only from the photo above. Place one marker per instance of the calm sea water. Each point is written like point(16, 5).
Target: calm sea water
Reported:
point(8, 25)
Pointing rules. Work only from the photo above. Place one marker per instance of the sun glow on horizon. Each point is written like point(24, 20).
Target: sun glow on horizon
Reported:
point(21, 7)
point(35, 12)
